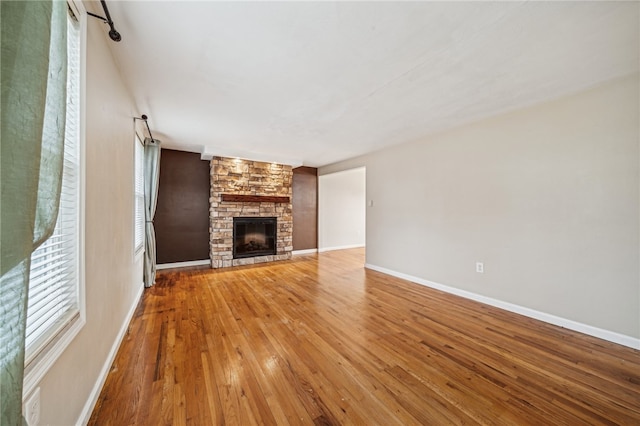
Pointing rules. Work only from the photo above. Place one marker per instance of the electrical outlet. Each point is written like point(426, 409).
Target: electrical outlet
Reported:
point(31, 408)
point(480, 267)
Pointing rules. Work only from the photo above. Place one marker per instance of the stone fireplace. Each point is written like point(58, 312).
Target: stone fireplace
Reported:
point(248, 189)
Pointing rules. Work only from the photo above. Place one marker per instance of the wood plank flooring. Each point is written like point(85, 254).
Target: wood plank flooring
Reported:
point(320, 340)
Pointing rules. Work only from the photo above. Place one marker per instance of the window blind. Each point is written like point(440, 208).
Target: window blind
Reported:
point(139, 195)
point(54, 277)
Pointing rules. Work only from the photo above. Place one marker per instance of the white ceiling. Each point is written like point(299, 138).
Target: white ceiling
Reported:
point(317, 82)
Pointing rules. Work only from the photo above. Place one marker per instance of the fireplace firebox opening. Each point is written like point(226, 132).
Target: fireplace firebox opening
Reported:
point(254, 236)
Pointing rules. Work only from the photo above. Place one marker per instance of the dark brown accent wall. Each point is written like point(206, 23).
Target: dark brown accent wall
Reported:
point(305, 208)
point(182, 213)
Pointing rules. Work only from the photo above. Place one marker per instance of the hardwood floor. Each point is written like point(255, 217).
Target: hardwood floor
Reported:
point(320, 340)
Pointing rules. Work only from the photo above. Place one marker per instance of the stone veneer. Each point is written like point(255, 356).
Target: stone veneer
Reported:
point(244, 177)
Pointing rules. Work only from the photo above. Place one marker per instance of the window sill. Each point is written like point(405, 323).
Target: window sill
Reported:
point(138, 254)
point(37, 368)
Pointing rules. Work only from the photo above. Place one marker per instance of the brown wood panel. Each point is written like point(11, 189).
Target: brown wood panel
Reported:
point(305, 208)
point(239, 198)
point(182, 213)
point(321, 340)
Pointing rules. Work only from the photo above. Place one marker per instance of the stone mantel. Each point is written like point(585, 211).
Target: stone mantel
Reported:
point(254, 198)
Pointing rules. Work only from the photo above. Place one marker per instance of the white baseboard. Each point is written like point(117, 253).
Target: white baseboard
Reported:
point(610, 336)
point(323, 249)
point(183, 264)
point(85, 415)
point(307, 251)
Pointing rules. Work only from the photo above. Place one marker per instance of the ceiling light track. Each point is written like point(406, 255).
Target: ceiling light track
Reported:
point(113, 34)
point(145, 118)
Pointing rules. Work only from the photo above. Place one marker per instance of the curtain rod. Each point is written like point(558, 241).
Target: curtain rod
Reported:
point(113, 34)
point(145, 118)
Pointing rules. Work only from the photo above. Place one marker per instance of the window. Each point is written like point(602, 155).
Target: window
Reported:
point(139, 194)
point(54, 308)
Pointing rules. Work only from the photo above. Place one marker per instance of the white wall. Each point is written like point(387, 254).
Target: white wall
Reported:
point(113, 276)
point(341, 210)
point(547, 197)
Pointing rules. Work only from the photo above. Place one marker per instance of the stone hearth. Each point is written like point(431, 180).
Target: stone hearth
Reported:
point(244, 177)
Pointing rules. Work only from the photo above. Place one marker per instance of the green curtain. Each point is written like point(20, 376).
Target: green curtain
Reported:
point(151, 176)
point(33, 39)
